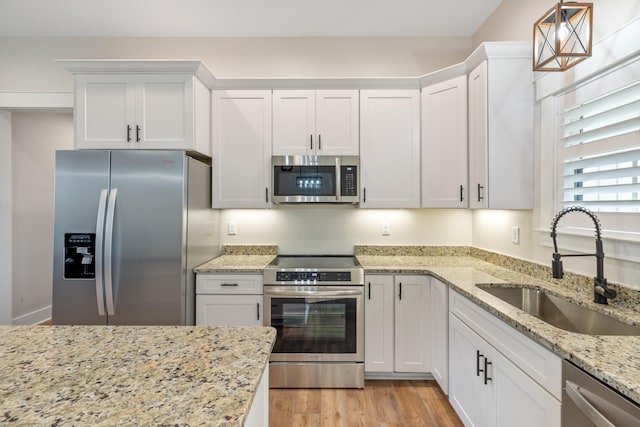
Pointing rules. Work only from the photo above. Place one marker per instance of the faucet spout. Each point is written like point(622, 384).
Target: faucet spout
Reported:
point(600, 291)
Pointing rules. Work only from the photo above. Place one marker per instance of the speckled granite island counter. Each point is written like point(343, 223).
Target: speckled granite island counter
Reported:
point(130, 375)
point(613, 359)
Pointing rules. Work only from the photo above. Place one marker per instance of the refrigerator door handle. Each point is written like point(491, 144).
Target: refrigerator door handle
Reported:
point(108, 246)
point(102, 206)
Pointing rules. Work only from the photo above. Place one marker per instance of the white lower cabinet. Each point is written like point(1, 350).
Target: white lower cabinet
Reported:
point(439, 333)
point(397, 324)
point(487, 388)
point(229, 300)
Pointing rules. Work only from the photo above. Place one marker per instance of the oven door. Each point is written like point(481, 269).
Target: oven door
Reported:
point(316, 323)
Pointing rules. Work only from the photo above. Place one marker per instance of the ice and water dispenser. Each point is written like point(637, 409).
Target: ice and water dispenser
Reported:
point(79, 256)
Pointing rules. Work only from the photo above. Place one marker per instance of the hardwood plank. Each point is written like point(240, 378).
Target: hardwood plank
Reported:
point(380, 403)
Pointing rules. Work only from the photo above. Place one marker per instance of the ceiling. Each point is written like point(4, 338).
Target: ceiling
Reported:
point(243, 18)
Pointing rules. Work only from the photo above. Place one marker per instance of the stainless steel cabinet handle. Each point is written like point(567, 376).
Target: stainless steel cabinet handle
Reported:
point(369, 290)
point(573, 391)
point(102, 206)
point(128, 133)
point(228, 284)
point(400, 291)
point(461, 196)
point(137, 133)
point(364, 195)
point(108, 246)
point(258, 310)
point(319, 142)
point(266, 195)
point(480, 196)
point(311, 143)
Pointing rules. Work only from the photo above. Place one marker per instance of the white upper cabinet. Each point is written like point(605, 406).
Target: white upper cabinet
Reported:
point(444, 144)
point(241, 149)
point(141, 105)
point(390, 148)
point(310, 122)
point(501, 133)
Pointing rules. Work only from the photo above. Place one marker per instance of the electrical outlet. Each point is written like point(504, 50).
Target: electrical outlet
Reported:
point(515, 235)
point(386, 231)
point(232, 228)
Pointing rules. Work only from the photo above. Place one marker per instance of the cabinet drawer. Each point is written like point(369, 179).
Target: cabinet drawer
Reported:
point(229, 284)
point(542, 365)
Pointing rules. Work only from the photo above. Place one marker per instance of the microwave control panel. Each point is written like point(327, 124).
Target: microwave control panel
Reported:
point(349, 183)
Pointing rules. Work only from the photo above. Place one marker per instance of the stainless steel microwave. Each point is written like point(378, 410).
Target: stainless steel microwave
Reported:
point(315, 179)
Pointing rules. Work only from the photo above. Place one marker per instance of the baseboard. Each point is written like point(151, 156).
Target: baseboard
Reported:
point(33, 318)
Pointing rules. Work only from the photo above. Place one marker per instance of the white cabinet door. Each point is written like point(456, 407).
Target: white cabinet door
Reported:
point(412, 324)
point(487, 387)
point(309, 122)
point(229, 310)
point(501, 134)
point(390, 148)
point(294, 122)
point(516, 394)
point(444, 144)
point(468, 394)
point(378, 323)
point(241, 149)
point(105, 111)
point(439, 333)
point(142, 111)
point(337, 122)
point(165, 111)
point(478, 136)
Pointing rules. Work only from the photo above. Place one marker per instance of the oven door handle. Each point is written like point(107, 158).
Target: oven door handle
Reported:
point(319, 293)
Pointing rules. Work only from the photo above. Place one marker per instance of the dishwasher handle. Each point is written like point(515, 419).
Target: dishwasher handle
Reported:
point(573, 391)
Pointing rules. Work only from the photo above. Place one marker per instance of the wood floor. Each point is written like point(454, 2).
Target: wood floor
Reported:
point(380, 403)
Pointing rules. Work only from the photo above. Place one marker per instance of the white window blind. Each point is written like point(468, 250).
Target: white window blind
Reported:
point(599, 150)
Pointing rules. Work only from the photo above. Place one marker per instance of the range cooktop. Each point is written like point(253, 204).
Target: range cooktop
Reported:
point(314, 269)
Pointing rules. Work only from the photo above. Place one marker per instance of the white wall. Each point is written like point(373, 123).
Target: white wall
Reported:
point(5, 219)
point(36, 137)
point(513, 19)
point(334, 230)
point(28, 63)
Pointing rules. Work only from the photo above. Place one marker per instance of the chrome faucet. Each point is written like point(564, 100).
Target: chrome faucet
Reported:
point(600, 290)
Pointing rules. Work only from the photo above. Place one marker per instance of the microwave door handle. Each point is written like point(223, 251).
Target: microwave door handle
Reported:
point(338, 180)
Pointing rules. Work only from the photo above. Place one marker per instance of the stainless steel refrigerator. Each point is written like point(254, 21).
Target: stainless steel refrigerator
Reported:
point(130, 225)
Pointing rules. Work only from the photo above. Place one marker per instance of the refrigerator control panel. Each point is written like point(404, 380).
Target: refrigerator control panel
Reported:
point(79, 256)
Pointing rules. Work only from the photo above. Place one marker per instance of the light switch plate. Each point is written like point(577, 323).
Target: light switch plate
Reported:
point(515, 235)
point(232, 228)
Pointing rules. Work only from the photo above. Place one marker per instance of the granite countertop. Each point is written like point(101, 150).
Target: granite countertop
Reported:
point(240, 259)
point(131, 375)
point(613, 359)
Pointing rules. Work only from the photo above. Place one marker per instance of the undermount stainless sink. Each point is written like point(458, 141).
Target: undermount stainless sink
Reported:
point(560, 312)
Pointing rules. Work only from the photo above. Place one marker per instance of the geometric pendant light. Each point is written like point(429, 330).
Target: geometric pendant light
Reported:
point(562, 36)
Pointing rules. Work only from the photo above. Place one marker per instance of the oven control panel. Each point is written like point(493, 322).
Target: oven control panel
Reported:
point(313, 276)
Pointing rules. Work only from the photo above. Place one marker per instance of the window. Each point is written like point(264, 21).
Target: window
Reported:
point(599, 147)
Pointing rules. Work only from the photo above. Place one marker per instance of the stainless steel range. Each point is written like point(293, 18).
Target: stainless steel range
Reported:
point(316, 304)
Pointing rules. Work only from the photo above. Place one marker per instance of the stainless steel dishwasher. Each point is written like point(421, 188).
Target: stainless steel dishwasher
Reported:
point(588, 402)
